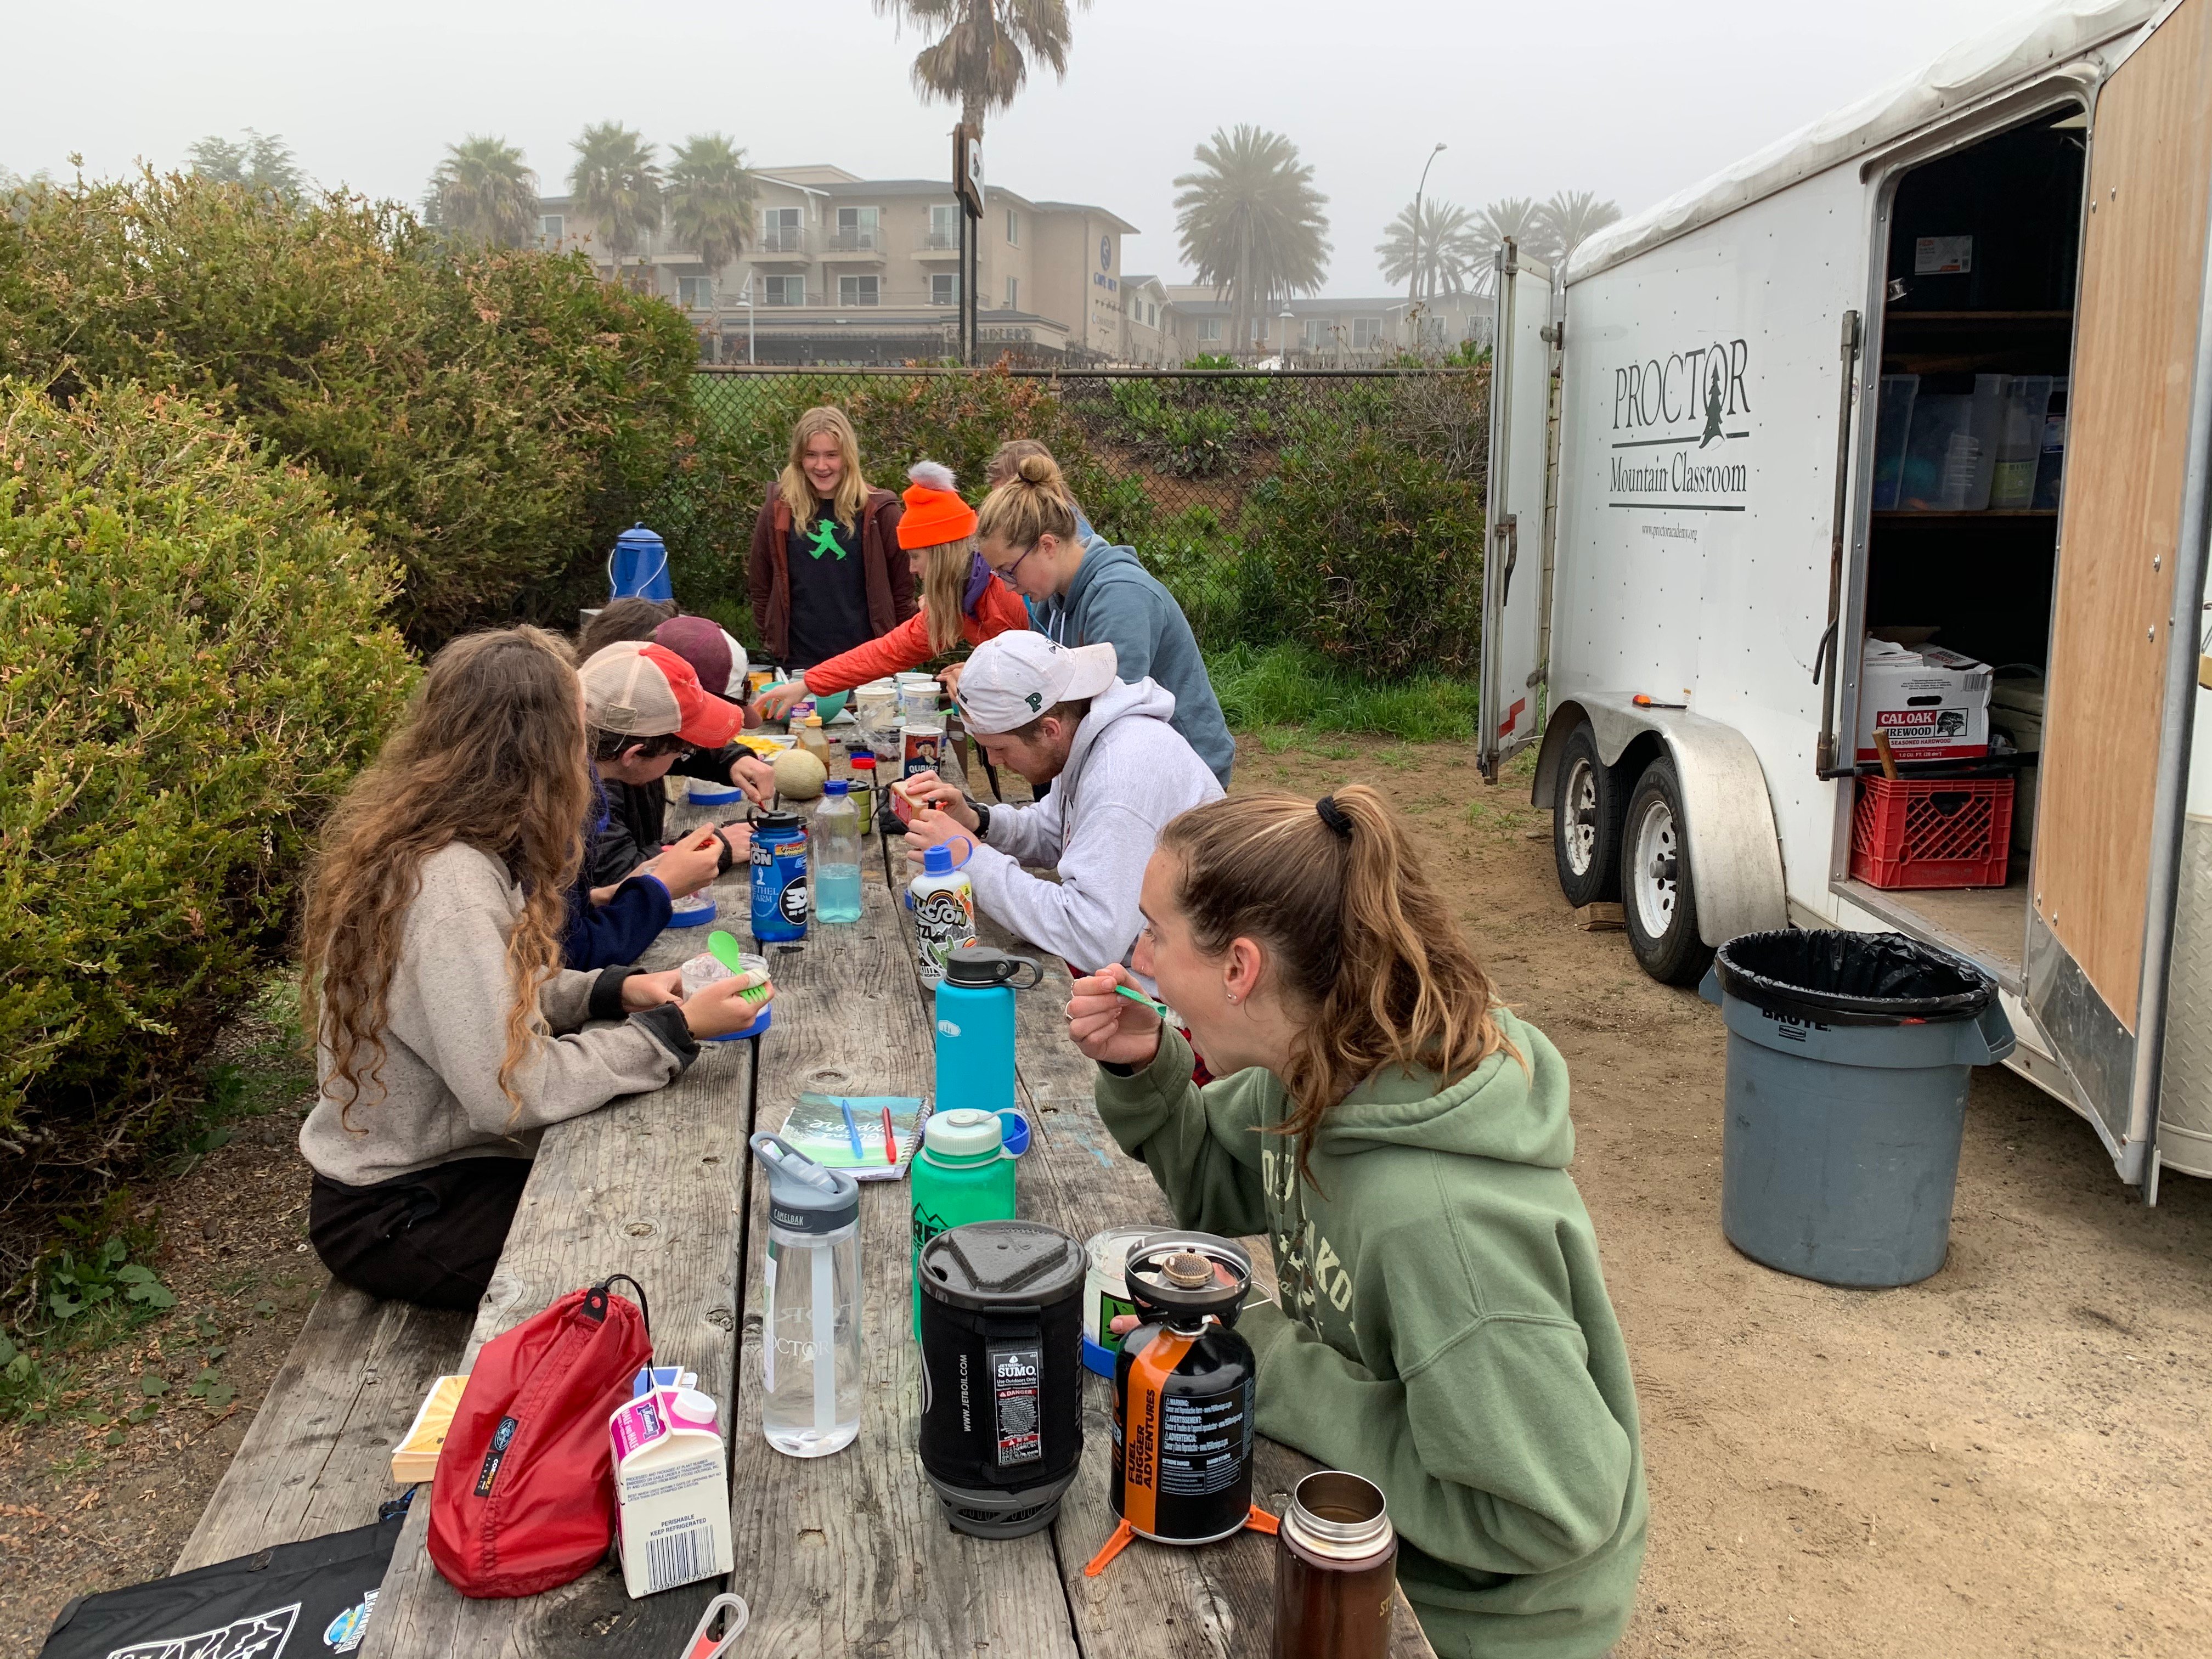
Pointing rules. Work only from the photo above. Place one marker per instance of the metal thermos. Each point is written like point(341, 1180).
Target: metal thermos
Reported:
point(1001, 1428)
point(1336, 1563)
point(1182, 1393)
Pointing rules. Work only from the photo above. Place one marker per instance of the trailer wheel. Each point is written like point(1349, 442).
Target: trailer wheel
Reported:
point(1586, 812)
point(1659, 903)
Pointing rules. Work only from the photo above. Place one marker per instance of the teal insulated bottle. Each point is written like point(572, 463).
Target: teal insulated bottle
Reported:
point(975, 1027)
point(960, 1175)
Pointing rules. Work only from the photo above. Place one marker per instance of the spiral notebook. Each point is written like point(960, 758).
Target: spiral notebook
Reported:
point(845, 1132)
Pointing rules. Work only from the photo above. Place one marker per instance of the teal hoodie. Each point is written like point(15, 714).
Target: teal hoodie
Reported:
point(1443, 1327)
point(1114, 599)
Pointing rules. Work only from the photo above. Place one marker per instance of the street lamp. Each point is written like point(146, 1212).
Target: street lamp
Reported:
point(747, 302)
point(1413, 282)
point(1287, 320)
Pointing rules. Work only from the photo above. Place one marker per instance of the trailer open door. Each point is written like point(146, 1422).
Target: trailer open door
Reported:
point(2131, 520)
point(1511, 672)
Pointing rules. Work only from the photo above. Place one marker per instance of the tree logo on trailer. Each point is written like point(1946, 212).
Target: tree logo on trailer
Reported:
point(1668, 412)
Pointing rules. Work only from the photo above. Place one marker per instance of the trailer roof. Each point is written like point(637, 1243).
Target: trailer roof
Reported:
point(2013, 52)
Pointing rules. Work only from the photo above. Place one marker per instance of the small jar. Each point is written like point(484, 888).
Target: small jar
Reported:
point(1336, 1564)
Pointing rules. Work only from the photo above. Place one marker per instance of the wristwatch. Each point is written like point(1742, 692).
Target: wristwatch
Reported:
point(982, 817)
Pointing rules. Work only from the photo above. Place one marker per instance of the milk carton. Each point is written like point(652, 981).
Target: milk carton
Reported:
point(1934, 703)
point(671, 1490)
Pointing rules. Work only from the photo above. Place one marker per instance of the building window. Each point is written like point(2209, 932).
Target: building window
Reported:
point(549, 227)
point(943, 289)
point(695, 293)
point(1013, 293)
point(780, 230)
point(856, 230)
point(944, 227)
point(1320, 334)
point(1209, 328)
point(783, 290)
point(640, 279)
point(856, 290)
point(1013, 232)
point(1152, 315)
point(1366, 333)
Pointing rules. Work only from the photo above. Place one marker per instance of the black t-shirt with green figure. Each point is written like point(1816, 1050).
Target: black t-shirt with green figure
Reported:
point(829, 591)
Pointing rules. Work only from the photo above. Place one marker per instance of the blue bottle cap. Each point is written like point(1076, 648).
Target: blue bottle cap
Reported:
point(836, 786)
point(1013, 1133)
point(937, 862)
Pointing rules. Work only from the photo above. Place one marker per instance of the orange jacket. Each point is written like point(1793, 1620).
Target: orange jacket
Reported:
point(997, 610)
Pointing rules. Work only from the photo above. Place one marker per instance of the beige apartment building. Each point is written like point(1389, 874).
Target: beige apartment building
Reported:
point(1323, 332)
point(845, 270)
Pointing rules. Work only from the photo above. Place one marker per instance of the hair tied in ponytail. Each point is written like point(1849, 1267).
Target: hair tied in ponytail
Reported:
point(1334, 817)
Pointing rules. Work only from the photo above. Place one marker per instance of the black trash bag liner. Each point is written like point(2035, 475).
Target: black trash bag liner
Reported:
point(1835, 977)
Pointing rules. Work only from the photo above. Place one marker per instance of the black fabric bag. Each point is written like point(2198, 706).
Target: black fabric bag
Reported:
point(311, 1598)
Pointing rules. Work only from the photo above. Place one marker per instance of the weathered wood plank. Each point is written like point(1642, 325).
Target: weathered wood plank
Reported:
point(650, 1185)
point(318, 1458)
point(850, 1553)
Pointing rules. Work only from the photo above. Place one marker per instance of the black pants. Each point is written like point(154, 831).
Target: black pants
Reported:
point(432, 1238)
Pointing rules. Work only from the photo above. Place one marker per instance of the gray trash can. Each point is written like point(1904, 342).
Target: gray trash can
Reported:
point(1848, 1060)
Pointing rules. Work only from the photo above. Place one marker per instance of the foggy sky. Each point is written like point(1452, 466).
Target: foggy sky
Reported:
point(1630, 99)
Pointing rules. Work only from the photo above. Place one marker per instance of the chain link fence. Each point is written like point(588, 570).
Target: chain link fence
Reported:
point(1337, 509)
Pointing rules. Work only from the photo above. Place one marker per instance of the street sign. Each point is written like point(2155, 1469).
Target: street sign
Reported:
point(968, 168)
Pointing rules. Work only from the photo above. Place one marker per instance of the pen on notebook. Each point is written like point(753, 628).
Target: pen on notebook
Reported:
point(852, 1129)
point(890, 1138)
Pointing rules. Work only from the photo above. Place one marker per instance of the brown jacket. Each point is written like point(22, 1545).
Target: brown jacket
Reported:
point(883, 562)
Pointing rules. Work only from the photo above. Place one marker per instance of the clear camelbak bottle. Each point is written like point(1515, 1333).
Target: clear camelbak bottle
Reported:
point(810, 1324)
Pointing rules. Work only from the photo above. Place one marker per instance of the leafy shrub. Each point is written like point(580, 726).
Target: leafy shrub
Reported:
point(491, 418)
point(1373, 555)
point(192, 664)
point(1289, 685)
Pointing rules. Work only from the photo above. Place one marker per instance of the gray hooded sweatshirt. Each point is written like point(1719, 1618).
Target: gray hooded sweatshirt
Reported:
point(1114, 600)
point(1128, 773)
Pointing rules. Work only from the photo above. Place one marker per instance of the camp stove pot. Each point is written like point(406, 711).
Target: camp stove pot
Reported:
point(1182, 1393)
point(1001, 1373)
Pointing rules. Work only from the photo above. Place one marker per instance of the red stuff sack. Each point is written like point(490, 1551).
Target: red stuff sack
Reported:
point(524, 1498)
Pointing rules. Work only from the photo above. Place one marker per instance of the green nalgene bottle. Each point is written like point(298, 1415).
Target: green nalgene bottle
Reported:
point(960, 1175)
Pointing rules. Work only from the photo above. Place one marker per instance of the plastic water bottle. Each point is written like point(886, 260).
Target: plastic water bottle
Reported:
point(960, 1175)
point(975, 1027)
point(810, 1319)
point(943, 900)
point(836, 837)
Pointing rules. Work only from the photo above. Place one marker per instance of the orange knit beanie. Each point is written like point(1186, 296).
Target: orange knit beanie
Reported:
point(935, 513)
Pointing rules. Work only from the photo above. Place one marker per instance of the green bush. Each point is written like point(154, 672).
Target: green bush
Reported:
point(1290, 684)
point(1372, 552)
point(192, 664)
point(491, 418)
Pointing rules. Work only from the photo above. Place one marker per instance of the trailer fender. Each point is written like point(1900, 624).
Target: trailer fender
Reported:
point(1735, 850)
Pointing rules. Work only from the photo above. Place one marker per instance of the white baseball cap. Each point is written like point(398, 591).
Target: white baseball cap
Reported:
point(1018, 675)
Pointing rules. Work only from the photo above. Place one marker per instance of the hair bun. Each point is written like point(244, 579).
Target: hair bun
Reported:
point(1038, 470)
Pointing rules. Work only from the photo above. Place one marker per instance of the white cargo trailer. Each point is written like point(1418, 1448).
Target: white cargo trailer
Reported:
point(1693, 536)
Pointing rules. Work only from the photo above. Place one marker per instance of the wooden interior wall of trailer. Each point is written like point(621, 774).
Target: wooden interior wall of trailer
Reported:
point(2150, 166)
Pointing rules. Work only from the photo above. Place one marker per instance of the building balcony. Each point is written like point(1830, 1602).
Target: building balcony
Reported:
point(853, 246)
point(937, 245)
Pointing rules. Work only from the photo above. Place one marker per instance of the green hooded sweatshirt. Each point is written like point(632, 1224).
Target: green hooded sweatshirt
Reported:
point(1443, 1327)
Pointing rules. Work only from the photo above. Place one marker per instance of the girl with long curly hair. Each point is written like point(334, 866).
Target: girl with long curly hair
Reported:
point(448, 1034)
point(1442, 1326)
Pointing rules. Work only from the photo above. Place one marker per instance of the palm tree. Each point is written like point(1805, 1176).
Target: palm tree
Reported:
point(708, 203)
point(1514, 216)
point(482, 192)
point(1251, 222)
point(1570, 219)
point(1438, 257)
point(617, 182)
point(980, 55)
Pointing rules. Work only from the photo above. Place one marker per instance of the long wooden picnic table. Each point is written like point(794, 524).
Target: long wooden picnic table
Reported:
point(848, 1554)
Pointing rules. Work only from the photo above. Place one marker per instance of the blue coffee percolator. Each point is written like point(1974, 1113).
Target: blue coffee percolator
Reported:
point(975, 1027)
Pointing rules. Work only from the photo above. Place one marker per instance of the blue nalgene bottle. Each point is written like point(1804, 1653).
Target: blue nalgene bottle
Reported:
point(779, 884)
point(975, 1027)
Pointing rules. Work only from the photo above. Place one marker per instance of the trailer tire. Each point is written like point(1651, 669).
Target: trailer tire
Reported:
point(1659, 902)
point(1587, 803)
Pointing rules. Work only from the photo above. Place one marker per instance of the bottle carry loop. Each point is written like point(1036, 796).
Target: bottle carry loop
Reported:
point(595, 1299)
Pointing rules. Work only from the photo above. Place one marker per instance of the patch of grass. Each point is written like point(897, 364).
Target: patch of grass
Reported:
point(1295, 685)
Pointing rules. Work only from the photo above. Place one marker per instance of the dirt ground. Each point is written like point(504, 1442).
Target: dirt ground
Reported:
point(2005, 1459)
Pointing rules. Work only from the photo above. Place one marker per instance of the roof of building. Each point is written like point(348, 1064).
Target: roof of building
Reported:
point(1992, 62)
point(1095, 211)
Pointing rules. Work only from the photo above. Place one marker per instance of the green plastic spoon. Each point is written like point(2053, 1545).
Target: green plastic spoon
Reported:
point(726, 951)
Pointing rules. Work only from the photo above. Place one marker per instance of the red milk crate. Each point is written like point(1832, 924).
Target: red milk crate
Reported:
point(1932, 832)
